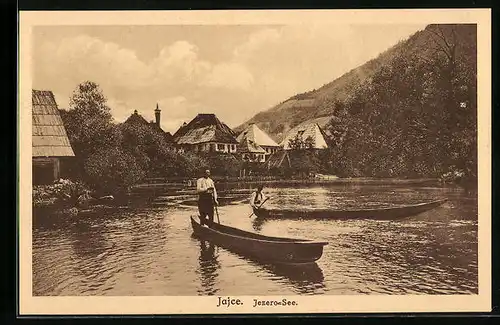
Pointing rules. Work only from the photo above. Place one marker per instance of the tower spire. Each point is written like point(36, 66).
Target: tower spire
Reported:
point(157, 114)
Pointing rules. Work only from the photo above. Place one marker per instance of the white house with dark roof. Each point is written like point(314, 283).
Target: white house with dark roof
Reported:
point(251, 151)
point(261, 139)
point(50, 143)
point(206, 133)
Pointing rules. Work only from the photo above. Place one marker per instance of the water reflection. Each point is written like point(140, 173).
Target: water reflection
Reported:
point(257, 223)
point(305, 279)
point(209, 266)
point(87, 243)
point(149, 251)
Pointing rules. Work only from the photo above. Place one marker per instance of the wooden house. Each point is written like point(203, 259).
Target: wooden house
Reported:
point(251, 151)
point(206, 133)
point(50, 143)
point(258, 137)
point(307, 133)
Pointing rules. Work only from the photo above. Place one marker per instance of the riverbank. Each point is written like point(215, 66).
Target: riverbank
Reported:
point(67, 198)
point(62, 199)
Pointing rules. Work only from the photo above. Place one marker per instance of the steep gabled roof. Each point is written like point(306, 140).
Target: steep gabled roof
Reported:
point(305, 131)
point(255, 134)
point(204, 128)
point(248, 146)
point(49, 138)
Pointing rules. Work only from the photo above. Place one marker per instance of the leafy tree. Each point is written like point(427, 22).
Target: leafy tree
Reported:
point(416, 116)
point(88, 123)
point(113, 170)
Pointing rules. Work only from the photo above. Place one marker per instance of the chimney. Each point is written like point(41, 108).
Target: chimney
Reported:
point(157, 115)
point(135, 112)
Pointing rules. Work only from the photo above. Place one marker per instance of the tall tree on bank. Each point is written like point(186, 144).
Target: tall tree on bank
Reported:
point(88, 120)
point(416, 116)
point(94, 138)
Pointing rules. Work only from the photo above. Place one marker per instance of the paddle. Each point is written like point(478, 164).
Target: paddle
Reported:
point(259, 206)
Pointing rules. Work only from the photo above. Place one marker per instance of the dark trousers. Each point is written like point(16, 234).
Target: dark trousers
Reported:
point(206, 209)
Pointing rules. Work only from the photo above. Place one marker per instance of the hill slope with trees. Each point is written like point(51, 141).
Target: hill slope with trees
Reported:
point(411, 112)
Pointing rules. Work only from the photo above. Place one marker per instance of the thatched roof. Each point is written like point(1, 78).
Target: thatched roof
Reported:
point(279, 159)
point(49, 137)
point(248, 146)
point(305, 131)
point(204, 128)
point(255, 134)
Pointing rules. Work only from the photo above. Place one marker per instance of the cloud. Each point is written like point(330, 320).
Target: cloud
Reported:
point(175, 74)
point(256, 41)
point(120, 109)
point(84, 57)
point(175, 111)
point(266, 67)
point(230, 75)
point(179, 62)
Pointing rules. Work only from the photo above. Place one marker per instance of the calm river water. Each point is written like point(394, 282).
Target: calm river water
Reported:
point(150, 250)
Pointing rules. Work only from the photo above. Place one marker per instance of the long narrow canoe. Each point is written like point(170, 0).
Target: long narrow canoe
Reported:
point(381, 213)
point(265, 248)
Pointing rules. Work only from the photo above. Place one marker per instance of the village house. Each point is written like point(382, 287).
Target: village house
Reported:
point(206, 133)
point(251, 151)
point(306, 133)
point(50, 143)
point(279, 160)
point(253, 140)
point(137, 119)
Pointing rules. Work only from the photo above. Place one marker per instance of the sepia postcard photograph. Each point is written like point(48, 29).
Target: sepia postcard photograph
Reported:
point(246, 162)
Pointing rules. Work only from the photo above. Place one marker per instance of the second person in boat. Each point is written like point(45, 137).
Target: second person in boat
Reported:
point(258, 197)
point(207, 198)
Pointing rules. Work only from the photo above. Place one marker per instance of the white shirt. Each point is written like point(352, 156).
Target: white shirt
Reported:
point(203, 184)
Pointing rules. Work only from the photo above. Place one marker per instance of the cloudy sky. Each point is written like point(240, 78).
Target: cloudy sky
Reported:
point(232, 71)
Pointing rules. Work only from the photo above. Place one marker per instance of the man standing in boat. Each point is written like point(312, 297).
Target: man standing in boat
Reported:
point(207, 198)
point(258, 197)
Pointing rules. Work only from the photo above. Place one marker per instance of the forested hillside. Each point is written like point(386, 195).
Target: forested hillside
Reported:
point(409, 113)
point(319, 102)
point(416, 116)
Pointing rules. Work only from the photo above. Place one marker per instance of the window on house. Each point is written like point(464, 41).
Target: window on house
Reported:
point(220, 147)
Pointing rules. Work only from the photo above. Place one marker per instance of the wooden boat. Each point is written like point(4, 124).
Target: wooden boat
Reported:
point(381, 213)
point(265, 248)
